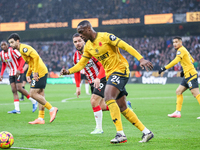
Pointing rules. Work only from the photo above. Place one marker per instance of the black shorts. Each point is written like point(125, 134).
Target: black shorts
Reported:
point(83, 76)
point(119, 82)
point(40, 84)
point(15, 79)
point(190, 82)
point(99, 91)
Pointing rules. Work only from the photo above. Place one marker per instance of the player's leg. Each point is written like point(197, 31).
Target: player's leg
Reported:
point(40, 119)
point(95, 100)
point(179, 102)
point(15, 95)
point(23, 86)
point(87, 86)
point(24, 92)
point(132, 117)
point(194, 88)
point(111, 92)
point(37, 87)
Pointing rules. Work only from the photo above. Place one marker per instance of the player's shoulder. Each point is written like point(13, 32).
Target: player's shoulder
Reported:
point(24, 48)
point(182, 50)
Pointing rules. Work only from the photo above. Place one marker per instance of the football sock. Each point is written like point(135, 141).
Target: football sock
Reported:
point(31, 99)
point(16, 103)
point(115, 114)
point(198, 98)
point(48, 106)
point(179, 102)
point(146, 131)
point(98, 116)
point(107, 108)
point(87, 88)
point(132, 118)
point(41, 114)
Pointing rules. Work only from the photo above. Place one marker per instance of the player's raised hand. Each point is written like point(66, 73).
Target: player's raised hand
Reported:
point(145, 64)
point(161, 70)
point(64, 72)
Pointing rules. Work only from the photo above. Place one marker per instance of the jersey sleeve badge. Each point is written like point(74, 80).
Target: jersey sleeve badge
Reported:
point(25, 50)
point(178, 53)
point(112, 37)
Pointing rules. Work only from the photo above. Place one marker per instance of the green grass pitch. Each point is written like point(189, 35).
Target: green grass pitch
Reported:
point(75, 120)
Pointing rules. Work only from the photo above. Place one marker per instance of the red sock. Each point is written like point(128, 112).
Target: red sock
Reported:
point(107, 108)
point(28, 96)
point(95, 109)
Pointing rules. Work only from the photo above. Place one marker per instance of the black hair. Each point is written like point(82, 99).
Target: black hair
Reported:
point(84, 23)
point(14, 36)
point(75, 35)
point(177, 37)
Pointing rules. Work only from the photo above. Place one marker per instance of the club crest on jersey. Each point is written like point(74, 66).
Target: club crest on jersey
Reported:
point(97, 51)
point(25, 50)
point(112, 38)
point(178, 53)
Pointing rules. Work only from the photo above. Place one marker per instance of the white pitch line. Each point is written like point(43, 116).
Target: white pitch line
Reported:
point(28, 148)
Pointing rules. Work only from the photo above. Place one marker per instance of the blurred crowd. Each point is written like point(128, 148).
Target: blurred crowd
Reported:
point(159, 50)
point(62, 10)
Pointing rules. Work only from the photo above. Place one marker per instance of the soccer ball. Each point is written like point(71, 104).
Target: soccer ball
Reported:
point(6, 140)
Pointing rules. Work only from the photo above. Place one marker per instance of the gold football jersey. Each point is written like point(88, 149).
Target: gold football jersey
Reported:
point(36, 65)
point(105, 48)
point(186, 61)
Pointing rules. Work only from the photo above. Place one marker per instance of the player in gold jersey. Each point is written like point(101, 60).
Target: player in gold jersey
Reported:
point(39, 71)
point(105, 47)
point(189, 72)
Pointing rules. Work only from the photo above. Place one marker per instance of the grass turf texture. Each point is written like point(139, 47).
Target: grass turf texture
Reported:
point(75, 120)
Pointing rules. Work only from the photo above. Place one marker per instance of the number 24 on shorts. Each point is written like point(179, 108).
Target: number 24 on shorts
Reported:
point(115, 79)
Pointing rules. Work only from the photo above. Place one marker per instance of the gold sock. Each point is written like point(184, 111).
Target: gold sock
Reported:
point(132, 118)
point(179, 102)
point(115, 114)
point(48, 105)
point(198, 98)
point(41, 114)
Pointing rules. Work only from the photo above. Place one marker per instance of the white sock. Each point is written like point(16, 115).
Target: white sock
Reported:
point(52, 109)
point(146, 131)
point(121, 132)
point(40, 119)
point(32, 100)
point(17, 106)
point(177, 112)
point(87, 88)
point(98, 117)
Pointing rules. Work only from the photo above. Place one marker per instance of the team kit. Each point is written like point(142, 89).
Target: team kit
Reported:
point(106, 70)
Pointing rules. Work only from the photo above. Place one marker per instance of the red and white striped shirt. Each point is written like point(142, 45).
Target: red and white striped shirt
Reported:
point(92, 68)
point(11, 60)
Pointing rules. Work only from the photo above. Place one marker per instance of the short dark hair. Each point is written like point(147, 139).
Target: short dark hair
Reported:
point(14, 36)
point(75, 35)
point(84, 23)
point(177, 37)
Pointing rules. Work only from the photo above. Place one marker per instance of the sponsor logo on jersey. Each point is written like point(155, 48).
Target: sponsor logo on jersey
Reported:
point(112, 38)
point(102, 57)
point(25, 50)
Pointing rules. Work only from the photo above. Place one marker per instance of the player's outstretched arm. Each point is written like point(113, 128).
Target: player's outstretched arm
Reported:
point(171, 64)
point(145, 64)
